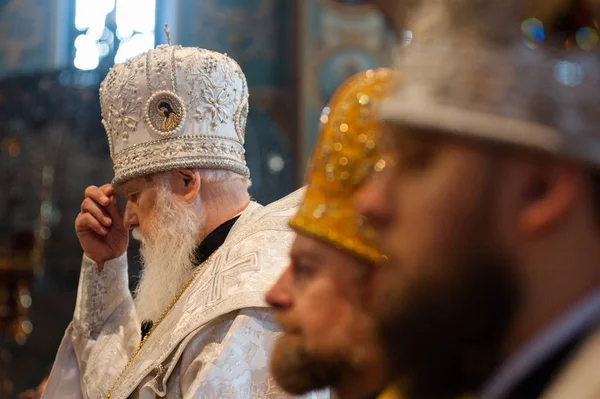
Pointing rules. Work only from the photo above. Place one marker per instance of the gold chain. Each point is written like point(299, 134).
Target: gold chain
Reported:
point(162, 316)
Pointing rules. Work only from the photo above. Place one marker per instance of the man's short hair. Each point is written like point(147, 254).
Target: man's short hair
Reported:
point(214, 175)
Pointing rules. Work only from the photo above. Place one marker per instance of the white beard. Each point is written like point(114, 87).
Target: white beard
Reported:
point(167, 254)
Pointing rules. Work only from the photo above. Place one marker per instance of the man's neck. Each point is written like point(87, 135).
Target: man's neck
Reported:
point(537, 315)
point(554, 274)
point(535, 364)
point(213, 241)
point(556, 277)
point(214, 217)
point(364, 384)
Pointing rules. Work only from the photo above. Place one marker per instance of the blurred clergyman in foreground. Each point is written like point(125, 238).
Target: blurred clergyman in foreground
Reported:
point(491, 214)
point(197, 326)
point(322, 297)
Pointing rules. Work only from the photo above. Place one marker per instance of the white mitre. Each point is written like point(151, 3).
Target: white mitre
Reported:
point(524, 73)
point(175, 107)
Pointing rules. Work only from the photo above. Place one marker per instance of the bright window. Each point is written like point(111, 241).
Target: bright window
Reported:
point(118, 29)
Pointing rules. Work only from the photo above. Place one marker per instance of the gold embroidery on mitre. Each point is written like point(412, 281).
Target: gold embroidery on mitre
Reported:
point(165, 113)
point(347, 153)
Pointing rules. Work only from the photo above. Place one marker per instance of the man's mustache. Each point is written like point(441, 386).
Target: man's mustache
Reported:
point(286, 323)
point(137, 235)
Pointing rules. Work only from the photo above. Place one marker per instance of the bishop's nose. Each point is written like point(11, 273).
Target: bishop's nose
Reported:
point(130, 218)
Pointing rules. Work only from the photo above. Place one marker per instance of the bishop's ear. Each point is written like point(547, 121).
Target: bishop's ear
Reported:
point(185, 183)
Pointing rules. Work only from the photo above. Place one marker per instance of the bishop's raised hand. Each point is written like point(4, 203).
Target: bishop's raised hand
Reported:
point(99, 225)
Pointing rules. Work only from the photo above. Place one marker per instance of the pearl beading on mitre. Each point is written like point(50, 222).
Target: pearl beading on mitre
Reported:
point(203, 152)
point(210, 108)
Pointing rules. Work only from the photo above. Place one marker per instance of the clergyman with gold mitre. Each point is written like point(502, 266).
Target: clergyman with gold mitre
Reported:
point(322, 298)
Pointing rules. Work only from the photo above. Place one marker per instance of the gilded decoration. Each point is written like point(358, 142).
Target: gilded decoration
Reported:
point(339, 39)
point(348, 152)
point(165, 113)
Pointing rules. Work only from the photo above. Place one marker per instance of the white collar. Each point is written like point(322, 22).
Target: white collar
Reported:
point(574, 321)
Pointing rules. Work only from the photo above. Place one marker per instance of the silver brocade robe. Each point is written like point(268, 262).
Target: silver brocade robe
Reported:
point(214, 343)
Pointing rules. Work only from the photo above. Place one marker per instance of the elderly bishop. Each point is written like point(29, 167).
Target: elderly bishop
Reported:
point(197, 324)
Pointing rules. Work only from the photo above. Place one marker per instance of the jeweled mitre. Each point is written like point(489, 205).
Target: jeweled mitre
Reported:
point(175, 107)
point(349, 150)
point(519, 73)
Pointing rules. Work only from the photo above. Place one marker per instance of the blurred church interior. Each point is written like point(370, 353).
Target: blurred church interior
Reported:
point(53, 55)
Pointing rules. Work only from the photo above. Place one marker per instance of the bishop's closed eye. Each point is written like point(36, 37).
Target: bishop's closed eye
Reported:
point(133, 197)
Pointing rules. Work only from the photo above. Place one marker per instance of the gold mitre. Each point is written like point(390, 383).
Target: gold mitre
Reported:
point(348, 151)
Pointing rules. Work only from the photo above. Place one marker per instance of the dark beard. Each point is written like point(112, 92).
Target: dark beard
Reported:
point(298, 371)
point(443, 337)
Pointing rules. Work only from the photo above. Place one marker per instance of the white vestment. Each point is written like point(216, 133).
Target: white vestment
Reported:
point(578, 378)
point(214, 343)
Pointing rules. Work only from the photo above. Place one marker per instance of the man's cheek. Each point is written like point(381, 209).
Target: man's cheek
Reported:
point(391, 240)
point(314, 324)
point(334, 318)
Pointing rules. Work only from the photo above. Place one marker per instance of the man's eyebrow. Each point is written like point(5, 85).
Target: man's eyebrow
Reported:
point(122, 191)
point(132, 187)
point(304, 257)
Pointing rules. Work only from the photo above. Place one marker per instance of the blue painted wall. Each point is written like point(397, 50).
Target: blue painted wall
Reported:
point(30, 30)
point(254, 32)
point(337, 40)
point(258, 34)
